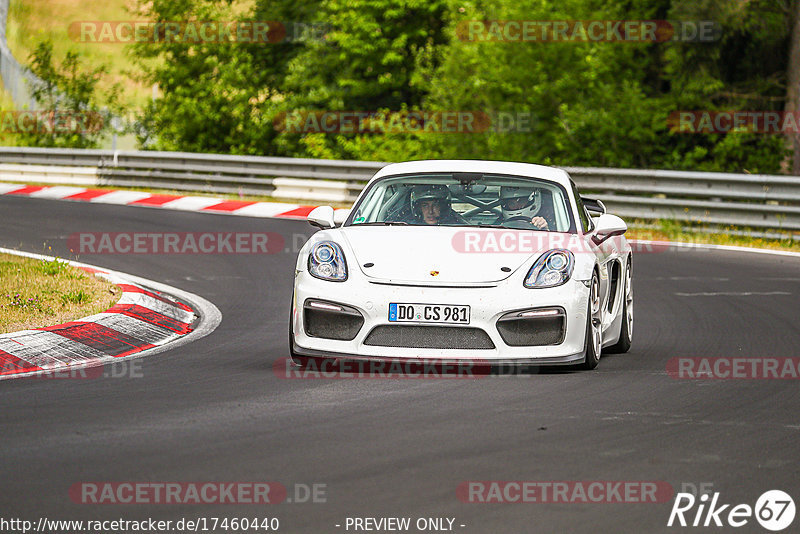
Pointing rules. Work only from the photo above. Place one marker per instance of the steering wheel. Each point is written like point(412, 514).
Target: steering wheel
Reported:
point(522, 218)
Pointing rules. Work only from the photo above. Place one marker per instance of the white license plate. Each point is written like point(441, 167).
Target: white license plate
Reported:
point(428, 313)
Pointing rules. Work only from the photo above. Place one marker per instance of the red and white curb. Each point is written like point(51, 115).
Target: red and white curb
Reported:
point(148, 317)
point(151, 200)
point(260, 209)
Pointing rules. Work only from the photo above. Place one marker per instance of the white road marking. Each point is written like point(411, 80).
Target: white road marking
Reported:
point(732, 293)
point(679, 278)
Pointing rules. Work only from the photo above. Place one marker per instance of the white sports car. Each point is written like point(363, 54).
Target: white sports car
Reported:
point(464, 261)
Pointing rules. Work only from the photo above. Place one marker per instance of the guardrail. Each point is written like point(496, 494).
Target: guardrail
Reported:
point(764, 202)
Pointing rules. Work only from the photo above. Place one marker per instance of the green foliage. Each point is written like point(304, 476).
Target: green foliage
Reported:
point(71, 113)
point(217, 96)
point(368, 61)
point(745, 69)
point(589, 103)
point(52, 267)
point(75, 297)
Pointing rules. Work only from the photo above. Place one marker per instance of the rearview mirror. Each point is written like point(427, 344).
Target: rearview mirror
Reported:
point(608, 226)
point(467, 188)
point(321, 217)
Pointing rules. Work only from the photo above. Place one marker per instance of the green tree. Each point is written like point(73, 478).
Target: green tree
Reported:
point(71, 113)
point(588, 100)
point(583, 103)
point(370, 60)
point(607, 104)
point(217, 95)
point(744, 69)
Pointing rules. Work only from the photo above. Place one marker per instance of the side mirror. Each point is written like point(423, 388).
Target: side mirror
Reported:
point(341, 215)
point(321, 217)
point(593, 206)
point(608, 226)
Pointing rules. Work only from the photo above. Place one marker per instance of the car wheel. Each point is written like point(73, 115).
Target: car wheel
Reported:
point(626, 331)
point(594, 332)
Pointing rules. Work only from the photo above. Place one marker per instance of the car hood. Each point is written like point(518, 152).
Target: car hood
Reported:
point(431, 255)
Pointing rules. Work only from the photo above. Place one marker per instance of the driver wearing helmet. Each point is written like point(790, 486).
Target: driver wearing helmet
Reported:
point(430, 204)
point(523, 204)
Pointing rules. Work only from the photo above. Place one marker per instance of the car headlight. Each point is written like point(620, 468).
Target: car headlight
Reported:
point(552, 269)
point(326, 261)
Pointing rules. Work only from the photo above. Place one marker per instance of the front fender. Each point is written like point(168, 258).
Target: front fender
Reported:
point(584, 266)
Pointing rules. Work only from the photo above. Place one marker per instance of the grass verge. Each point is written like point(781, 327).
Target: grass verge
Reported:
point(665, 230)
point(36, 293)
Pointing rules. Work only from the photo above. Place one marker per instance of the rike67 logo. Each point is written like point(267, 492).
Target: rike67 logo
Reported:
point(774, 510)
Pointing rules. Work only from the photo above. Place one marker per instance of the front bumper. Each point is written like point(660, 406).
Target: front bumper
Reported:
point(488, 304)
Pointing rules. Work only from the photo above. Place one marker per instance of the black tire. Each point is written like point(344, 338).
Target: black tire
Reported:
point(591, 351)
point(626, 332)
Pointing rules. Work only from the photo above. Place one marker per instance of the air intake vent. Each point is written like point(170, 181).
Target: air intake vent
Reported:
point(429, 337)
point(331, 321)
point(533, 328)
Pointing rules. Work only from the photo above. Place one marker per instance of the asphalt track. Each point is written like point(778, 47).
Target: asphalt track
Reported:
point(213, 410)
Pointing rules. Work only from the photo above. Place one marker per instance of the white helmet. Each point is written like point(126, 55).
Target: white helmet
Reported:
point(520, 201)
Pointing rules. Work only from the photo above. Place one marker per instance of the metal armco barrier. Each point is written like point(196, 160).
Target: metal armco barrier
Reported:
point(755, 201)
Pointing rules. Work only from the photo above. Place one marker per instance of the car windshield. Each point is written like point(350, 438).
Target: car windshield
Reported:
point(465, 199)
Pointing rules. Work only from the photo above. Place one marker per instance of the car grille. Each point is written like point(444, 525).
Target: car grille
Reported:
point(429, 337)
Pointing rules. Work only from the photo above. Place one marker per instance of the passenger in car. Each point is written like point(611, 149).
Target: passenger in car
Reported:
point(523, 204)
point(431, 204)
